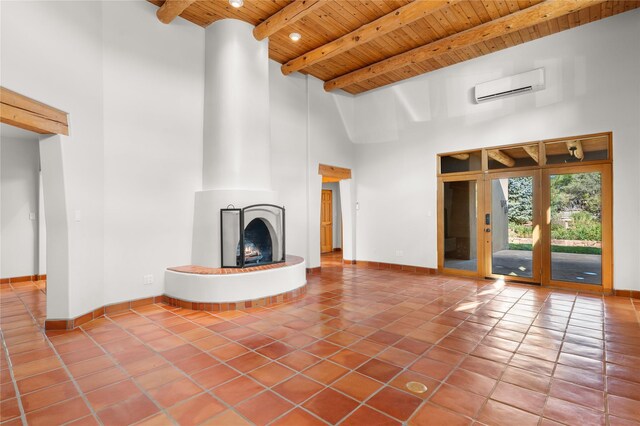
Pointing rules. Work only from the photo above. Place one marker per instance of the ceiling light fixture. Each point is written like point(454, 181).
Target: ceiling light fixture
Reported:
point(236, 3)
point(295, 36)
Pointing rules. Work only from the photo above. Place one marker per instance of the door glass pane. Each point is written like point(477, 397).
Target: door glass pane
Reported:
point(507, 158)
point(463, 162)
point(460, 218)
point(512, 226)
point(576, 228)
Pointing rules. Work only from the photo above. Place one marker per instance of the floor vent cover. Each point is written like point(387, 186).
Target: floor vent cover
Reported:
point(416, 387)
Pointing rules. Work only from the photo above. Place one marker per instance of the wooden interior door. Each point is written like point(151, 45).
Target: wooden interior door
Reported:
point(326, 222)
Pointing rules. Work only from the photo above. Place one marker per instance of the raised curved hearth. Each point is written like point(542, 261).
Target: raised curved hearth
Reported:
point(221, 289)
point(203, 270)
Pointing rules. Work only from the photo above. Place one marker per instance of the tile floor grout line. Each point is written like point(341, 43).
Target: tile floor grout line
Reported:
point(204, 390)
point(130, 377)
point(326, 386)
point(210, 391)
point(269, 388)
point(499, 378)
point(559, 351)
point(466, 355)
point(64, 366)
point(513, 353)
point(442, 296)
point(407, 368)
point(564, 333)
point(605, 399)
point(223, 362)
point(553, 371)
point(23, 415)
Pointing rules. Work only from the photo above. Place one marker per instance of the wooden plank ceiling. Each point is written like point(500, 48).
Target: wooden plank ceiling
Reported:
point(410, 37)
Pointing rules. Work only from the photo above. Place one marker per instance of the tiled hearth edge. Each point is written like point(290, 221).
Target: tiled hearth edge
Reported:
point(237, 306)
point(23, 279)
point(70, 324)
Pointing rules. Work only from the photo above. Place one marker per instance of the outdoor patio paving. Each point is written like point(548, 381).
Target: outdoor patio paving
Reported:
point(580, 268)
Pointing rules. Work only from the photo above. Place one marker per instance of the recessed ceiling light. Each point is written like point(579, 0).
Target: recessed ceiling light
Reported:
point(295, 36)
point(236, 3)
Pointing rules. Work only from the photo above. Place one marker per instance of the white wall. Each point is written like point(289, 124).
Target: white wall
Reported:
point(42, 228)
point(289, 153)
point(19, 188)
point(592, 86)
point(60, 288)
point(120, 188)
point(41, 38)
point(153, 121)
point(308, 127)
point(348, 212)
point(132, 161)
point(330, 134)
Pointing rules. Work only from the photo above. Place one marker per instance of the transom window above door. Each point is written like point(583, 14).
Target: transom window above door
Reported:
point(537, 212)
point(574, 150)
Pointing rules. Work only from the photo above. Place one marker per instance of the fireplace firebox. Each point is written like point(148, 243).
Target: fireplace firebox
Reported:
point(252, 236)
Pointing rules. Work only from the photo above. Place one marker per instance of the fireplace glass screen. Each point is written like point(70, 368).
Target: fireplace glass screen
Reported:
point(252, 236)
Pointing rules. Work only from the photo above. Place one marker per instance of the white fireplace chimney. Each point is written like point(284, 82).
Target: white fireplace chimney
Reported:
point(237, 164)
point(236, 109)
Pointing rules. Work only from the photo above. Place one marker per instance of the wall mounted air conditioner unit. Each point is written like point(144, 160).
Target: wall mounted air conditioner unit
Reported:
point(530, 81)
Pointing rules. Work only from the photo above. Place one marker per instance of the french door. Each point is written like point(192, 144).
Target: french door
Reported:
point(460, 229)
point(577, 246)
point(512, 226)
point(549, 226)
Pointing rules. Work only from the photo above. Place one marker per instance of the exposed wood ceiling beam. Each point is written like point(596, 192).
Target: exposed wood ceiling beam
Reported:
point(501, 157)
point(334, 172)
point(285, 16)
point(508, 24)
point(578, 152)
point(25, 113)
point(462, 157)
point(171, 9)
point(385, 24)
point(532, 150)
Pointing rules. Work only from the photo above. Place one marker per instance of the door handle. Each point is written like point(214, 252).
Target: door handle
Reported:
point(487, 230)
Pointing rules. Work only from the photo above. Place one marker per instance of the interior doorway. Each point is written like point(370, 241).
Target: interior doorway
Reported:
point(504, 193)
point(23, 249)
point(539, 213)
point(332, 206)
point(51, 125)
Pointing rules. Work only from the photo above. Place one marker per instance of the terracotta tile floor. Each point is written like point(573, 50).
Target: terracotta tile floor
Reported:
point(488, 354)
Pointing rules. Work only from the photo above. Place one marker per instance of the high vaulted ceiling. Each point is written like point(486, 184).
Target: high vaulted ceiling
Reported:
point(361, 45)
